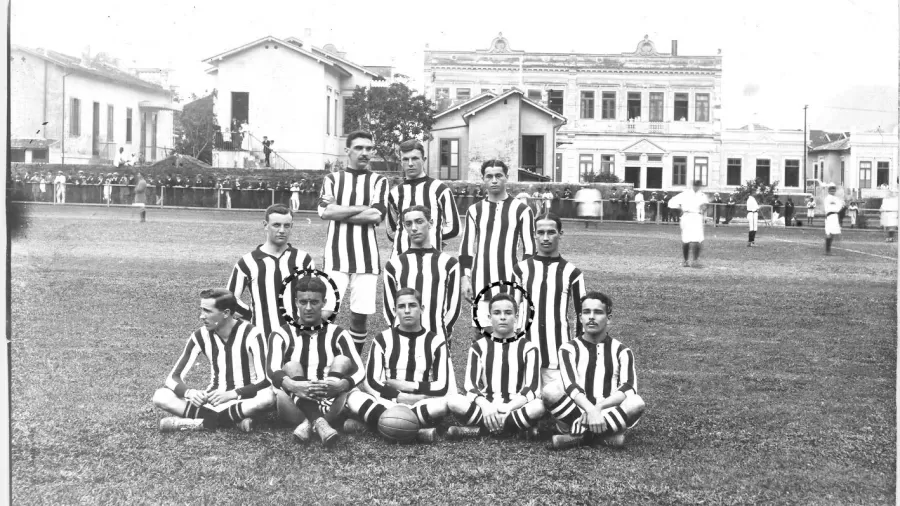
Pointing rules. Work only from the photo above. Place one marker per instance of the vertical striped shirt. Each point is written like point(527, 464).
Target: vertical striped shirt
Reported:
point(432, 194)
point(491, 238)
point(597, 370)
point(236, 363)
point(498, 371)
point(314, 350)
point(436, 276)
point(351, 247)
point(551, 282)
point(419, 357)
point(264, 274)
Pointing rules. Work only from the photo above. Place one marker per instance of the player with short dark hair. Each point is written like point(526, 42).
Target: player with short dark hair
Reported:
point(263, 269)
point(236, 352)
point(598, 392)
point(353, 201)
point(832, 205)
point(692, 203)
point(501, 379)
point(327, 362)
point(494, 229)
point(421, 189)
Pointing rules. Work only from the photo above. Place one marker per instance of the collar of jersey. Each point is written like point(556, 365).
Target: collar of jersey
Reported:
point(547, 260)
point(357, 172)
point(230, 336)
point(421, 251)
point(588, 343)
point(259, 254)
point(418, 180)
point(410, 334)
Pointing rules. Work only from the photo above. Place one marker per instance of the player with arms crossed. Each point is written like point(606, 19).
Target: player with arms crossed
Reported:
point(264, 269)
point(420, 189)
point(501, 380)
point(692, 204)
point(551, 281)
point(353, 201)
point(238, 388)
point(312, 370)
point(598, 392)
point(832, 205)
point(494, 229)
point(408, 364)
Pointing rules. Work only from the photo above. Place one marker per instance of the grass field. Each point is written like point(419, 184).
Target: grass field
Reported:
point(769, 375)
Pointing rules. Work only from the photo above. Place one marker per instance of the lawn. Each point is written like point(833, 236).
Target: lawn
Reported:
point(768, 373)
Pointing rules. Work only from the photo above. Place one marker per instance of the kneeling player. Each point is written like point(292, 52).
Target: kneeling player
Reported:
point(501, 379)
point(598, 392)
point(407, 365)
point(312, 370)
point(236, 352)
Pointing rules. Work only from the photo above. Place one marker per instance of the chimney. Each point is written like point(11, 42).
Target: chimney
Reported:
point(674, 48)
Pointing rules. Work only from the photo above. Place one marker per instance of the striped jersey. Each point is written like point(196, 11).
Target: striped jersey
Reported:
point(491, 238)
point(432, 194)
point(436, 276)
point(264, 273)
point(498, 371)
point(597, 370)
point(314, 350)
point(551, 282)
point(351, 247)
point(420, 357)
point(236, 363)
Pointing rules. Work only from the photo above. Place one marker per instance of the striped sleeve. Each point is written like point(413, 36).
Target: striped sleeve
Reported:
point(376, 377)
point(531, 373)
point(440, 386)
point(175, 381)
point(380, 199)
point(327, 191)
point(390, 292)
point(577, 291)
point(473, 374)
point(627, 378)
point(469, 243)
point(451, 300)
point(393, 212)
point(527, 224)
point(256, 347)
point(237, 283)
point(450, 228)
point(568, 360)
point(275, 359)
point(348, 349)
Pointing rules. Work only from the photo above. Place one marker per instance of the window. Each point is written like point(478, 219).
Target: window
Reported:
point(41, 155)
point(701, 107)
point(701, 170)
point(327, 115)
point(441, 93)
point(534, 95)
point(609, 105)
point(654, 158)
point(110, 124)
point(679, 170)
point(763, 167)
point(883, 173)
point(733, 174)
point(632, 158)
point(128, 124)
point(585, 164)
point(463, 94)
point(607, 164)
point(17, 155)
point(634, 104)
point(681, 107)
point(865, 174)
point(842, 171)
point(75, 117)
point(533, 153)
point(335, 116)
point(449, 159)
point(792, 173)
point(656, 106)
point(587, 105)
point(555, 99)
point(816, 171)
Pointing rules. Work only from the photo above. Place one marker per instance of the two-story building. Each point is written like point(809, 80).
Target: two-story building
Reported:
point(649, 117)
point(863, 162)
point(758, 152)
point(66, 109)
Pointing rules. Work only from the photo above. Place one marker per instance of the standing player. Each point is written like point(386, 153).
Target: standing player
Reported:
point(832, 204)
point(598, 392)
point(408, 364)
point(692, 204)
point(238, 389)
point(494, 229)
point(354, 201)
point(888, 209)
point(327, 363)
point(810, 209)
point(551, 282)
point(501, 379)
point(752, 219)
point(420, 189)
point(264, 269)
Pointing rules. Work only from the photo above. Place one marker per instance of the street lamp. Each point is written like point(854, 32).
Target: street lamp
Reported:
point(805, 148)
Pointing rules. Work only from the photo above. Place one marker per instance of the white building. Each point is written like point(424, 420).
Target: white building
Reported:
point(758, 152)
point(865, 163)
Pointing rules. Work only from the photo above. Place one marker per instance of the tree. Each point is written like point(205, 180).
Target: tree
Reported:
point(392, 114)
point(764, 192)
point(599, 177)
point(197, 123)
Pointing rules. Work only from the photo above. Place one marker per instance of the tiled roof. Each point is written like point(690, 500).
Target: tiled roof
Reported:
point(838, 145)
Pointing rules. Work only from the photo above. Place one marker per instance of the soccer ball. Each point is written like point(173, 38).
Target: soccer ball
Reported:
point(398, 424)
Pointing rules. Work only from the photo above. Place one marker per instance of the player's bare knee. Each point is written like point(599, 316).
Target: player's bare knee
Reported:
point(633, 405)
point(458, 404)
point(552, 393)
point(163, 397)
point(266, 399)
point(342, 365)
point(535, 409)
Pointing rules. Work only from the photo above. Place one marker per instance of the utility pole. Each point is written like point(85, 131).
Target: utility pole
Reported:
point(805, 148)
point(62, 127)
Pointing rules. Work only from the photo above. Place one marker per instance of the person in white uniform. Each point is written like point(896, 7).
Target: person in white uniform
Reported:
point(832, 204)
point(752, 219)
point(692, 204)
point(639, 206)
point(889, 208)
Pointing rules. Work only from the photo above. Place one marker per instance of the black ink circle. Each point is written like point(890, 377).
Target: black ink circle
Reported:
point(528, 322)
point(310, 272)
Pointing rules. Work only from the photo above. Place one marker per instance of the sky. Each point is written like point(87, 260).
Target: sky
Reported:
point(838, 56)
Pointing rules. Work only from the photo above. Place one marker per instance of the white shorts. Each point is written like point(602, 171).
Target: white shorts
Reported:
point(691, 227)
point(548, 376)
point(362, 290)
point(832, 225)
point(753, 220)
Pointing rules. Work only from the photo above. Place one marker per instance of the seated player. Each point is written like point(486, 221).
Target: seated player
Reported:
point(312, 370)
point(239, 388)
point(598, 392)
point(407, 365)
point(501, 380)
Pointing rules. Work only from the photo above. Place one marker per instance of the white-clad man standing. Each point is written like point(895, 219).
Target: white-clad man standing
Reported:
point(639, 206)
point(832, 204)
point(692, 204)
point(59, 186)
point(752, 219)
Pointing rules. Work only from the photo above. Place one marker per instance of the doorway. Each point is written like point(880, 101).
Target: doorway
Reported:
point(95, 130)
point(240, 106)
point(654, 177)
point(633, 176)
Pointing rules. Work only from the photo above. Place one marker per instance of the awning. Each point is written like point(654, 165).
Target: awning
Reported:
point(159, 106)
point(31, 143)
point(527, 175)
